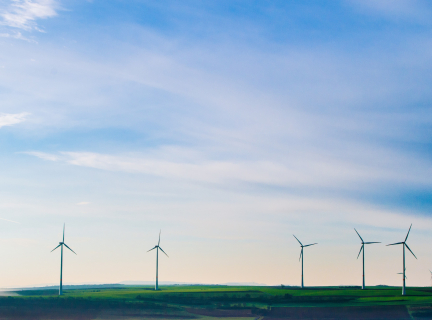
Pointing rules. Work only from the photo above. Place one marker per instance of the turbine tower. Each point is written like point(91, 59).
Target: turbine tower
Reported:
point(403, 243)
point(301, 257)
point(362, 248)
point(157, 247)
point(61, 244)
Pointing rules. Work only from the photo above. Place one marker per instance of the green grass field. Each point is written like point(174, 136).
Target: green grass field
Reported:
point(248, 296)
point(202, 302)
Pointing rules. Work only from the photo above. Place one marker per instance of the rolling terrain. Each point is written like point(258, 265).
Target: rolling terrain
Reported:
point(210, 302)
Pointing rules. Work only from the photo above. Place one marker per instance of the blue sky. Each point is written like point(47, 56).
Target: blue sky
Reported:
point(230, 125)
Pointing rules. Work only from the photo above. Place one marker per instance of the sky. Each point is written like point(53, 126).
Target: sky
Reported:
point(227, 125)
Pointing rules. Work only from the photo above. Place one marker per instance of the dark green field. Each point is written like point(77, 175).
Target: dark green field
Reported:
point(209, 302)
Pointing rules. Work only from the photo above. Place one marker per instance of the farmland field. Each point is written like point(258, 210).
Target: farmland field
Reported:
point(213, 302)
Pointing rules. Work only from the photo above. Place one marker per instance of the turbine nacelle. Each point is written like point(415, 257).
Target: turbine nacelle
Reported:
point(363, 243)
point(304, 246)
point(404, 242)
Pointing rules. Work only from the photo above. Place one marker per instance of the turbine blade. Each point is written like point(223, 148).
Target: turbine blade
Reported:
point(163, 251)
point(308, 245)
point(152, 248)
point(408, 232)
point(301, 253)
point(298, 240)
point(371, 242)
point(361, 248)
point(359, 235)
point(64, 224)
point(55, 247)
point(159, 237)
point(392, 244)
point(411, 251)
point(69, 248)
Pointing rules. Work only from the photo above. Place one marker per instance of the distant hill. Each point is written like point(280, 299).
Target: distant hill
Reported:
point(191, 283)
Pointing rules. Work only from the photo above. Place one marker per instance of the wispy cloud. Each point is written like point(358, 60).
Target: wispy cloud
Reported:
point(43, 155)
point(300, 170)
point(23, 14)
point(9, 119)
point(16, 35)
point(8, 220)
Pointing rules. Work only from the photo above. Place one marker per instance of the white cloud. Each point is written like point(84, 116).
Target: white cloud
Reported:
point(301, 170)
point(16, 35)
point(43, 155)
point(9, 119)
point(22, 14)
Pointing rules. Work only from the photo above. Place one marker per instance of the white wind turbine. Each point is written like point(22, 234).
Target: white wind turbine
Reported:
point(362, 248)
point(301, 256)
point(157, 247)
point(403, 243)
point(61, 244)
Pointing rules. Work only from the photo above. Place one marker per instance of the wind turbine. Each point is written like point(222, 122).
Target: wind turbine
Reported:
point(157, 247)
point(403, 243)
point(362, 248)
point(61, 244)
point(301, 256)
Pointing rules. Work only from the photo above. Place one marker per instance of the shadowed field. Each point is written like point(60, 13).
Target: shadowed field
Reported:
point(212, 302)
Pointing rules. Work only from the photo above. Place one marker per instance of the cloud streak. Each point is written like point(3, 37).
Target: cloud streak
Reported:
point(8, 220)
point(301, 170)
point(23, 14)
point(9, 119)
